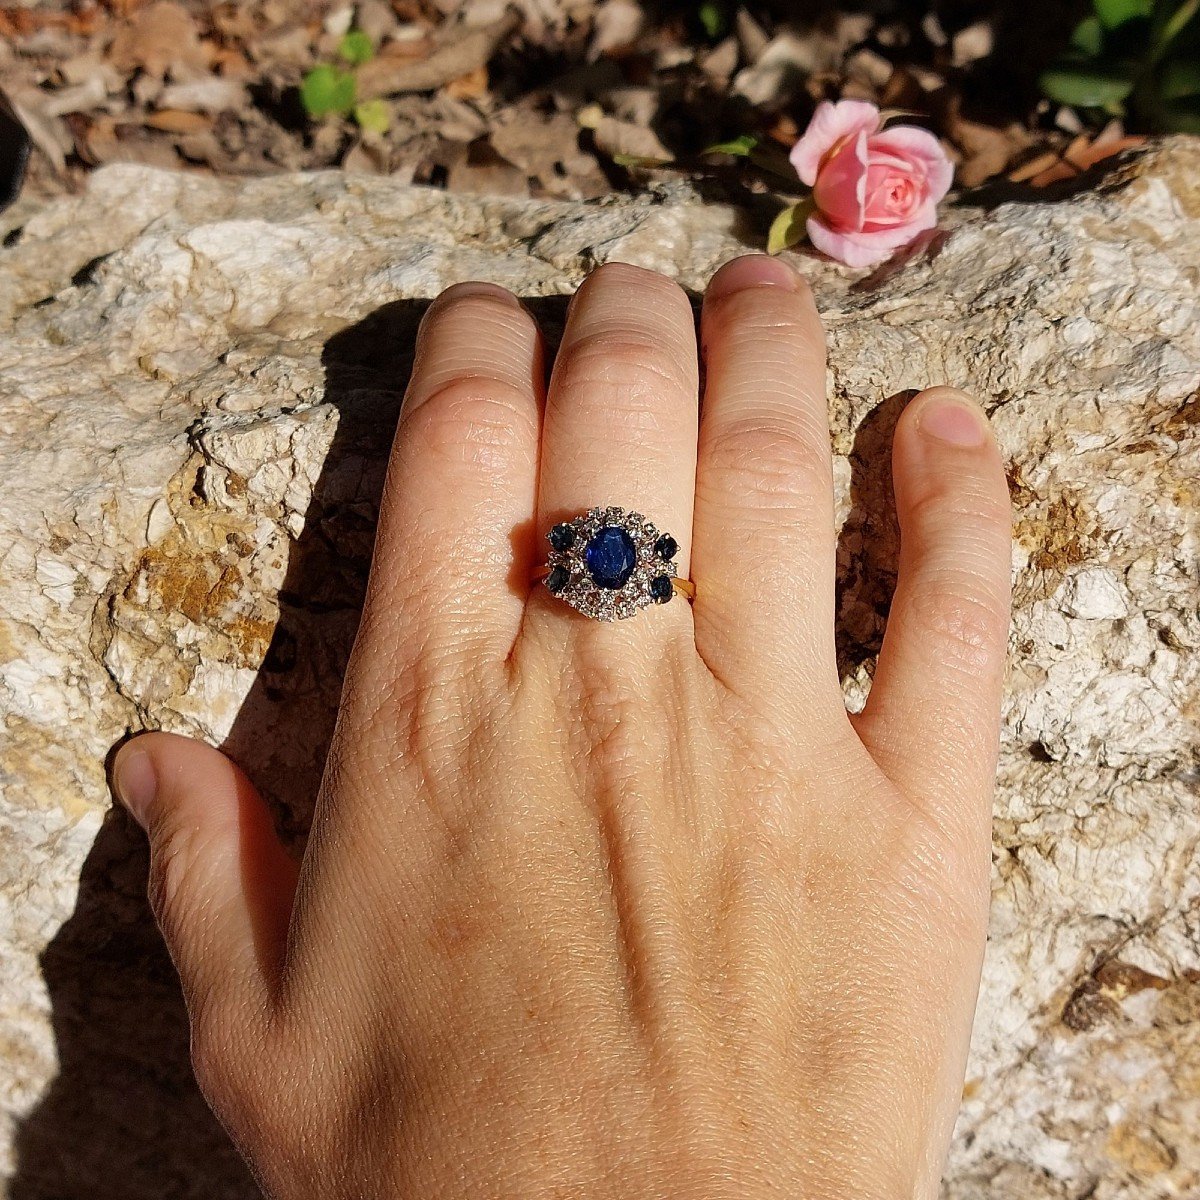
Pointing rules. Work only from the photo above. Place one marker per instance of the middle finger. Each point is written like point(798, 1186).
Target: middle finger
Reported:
point(620, 425)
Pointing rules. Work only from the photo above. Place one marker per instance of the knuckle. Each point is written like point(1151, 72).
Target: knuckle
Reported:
point(966, 624)
point(632, 358)
point(476, 420)
point(776, 463)
point(948, 509)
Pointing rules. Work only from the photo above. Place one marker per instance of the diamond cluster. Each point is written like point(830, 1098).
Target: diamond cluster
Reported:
point(580, 590)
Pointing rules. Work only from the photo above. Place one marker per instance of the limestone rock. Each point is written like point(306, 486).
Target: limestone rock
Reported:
point(197, 387)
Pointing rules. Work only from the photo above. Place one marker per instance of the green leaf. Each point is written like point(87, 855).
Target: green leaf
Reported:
point(1114, 13)
point(788, 229)
point(1088, 37)
point(326, 90)
point(713, 18)
point(1088, 85)
point(373, 116)
point(1174, 25)
point(739, 146)
point(356, 48)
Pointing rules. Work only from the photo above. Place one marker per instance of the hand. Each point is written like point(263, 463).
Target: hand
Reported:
point(614, 910)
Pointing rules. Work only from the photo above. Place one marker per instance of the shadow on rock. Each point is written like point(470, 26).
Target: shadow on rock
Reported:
point(123, 1120)
point(869, 543)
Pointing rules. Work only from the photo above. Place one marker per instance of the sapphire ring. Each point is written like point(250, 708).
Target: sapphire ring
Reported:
point(609, 563)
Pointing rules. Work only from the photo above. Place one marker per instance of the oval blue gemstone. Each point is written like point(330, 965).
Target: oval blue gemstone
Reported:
point(610, 556)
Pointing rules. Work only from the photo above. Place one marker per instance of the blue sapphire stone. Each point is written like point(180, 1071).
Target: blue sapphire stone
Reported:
point(610, 557)
point(558, 579)
point(661, 589)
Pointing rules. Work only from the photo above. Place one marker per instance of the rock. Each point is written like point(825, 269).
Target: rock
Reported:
point(198, 385)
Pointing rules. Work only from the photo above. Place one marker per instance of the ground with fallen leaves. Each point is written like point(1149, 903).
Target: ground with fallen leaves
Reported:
point(545, 98)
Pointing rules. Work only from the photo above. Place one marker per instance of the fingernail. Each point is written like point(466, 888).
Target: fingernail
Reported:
point(754, 270)
point(477, 287)
point(135, 782)
point(953, 421)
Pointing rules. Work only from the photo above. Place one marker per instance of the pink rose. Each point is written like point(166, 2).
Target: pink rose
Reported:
point(874, 189)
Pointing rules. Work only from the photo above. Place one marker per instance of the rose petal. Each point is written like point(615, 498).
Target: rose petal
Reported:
point(841, 188)
point(924, 218)
point(912, 144)
point(829, 125)
point(865, 248)
point(882, 179)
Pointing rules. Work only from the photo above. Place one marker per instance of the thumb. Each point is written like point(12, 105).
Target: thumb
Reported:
point(221, 883)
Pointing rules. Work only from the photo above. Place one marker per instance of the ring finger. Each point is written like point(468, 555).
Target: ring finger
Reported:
point(620, 425)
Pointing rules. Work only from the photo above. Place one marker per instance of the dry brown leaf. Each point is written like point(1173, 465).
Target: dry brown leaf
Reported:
point(159, 38)
point(48, 134)
point(546, 147)
point(24, 22)
point(204, 147)
point(232, 64)
point(173, 120)
point(123, 8)
point(616, 25)
point(1081, 154)
point(986, 150)
point(409, 43)
point(869, 70)
point(106, 141)
point(615, 137)
point(210, 93)
point(234, 23)
point(471, 86)
point(365, 159)
point(902, 90)
point(752, 38)
point(459, 54)
point(291, 46)
point(779, 72)
point(80, 97)
point(83, 68)
point(1035, 166)
point(971, 44)
point(721, 61)
point(480, 170)
point(376, 19)
point(784, 130)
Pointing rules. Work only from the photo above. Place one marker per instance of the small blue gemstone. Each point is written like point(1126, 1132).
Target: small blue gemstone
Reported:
point(558, 579)
point(661, 589)
point(666, 547)
point(562, 537)
point(610, 557)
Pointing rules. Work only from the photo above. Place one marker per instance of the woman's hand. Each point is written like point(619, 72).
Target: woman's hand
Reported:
point(627, 910)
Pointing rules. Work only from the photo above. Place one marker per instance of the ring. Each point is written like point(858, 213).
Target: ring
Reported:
point(609, 563)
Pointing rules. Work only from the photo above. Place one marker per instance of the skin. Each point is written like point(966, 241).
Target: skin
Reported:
point(626, 910)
